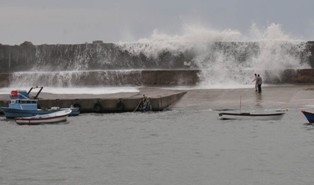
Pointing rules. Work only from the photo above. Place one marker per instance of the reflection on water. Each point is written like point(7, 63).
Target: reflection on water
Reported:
point(309, 126)
point(258, 99)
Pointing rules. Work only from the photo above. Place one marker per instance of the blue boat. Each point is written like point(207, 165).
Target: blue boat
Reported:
point(309, 116)
point(21, 105)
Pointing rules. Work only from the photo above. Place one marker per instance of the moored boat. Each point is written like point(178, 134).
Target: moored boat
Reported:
point(308, 115)
point(22, 105)
point(249, 115)
point(55, 117)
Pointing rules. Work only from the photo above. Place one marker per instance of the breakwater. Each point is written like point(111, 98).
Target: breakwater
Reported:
point(108, 56)
point(97, 56)
point(101, 78)
point(138, 78)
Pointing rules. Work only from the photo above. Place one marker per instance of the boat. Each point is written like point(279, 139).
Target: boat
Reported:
point(265, 115)
point(75, 111)
point(309, 116)
point(22, 105)
point(251, 115)
point(55, 117)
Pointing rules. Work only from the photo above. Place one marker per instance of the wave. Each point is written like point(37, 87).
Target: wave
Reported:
point(225, 58)
point(228, 57)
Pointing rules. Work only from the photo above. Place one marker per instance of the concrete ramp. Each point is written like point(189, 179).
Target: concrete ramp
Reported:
point(160, 99)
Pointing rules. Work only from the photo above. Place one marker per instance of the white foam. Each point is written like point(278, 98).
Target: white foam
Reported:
point(76, 90)
point(273, 49)
point(277, 51)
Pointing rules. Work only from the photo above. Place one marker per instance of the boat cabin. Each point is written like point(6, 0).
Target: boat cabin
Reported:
point(20, 100)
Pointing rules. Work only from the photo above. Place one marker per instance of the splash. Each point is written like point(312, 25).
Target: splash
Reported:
point(73, 79)
point(76, 90)
point(191, 38)
point(227, 58)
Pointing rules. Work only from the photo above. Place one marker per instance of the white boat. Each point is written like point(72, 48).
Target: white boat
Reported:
point(55, 117)
point(251, 115)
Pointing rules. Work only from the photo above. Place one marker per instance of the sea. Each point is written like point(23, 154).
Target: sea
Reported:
point(184, 145)
point(180, 146)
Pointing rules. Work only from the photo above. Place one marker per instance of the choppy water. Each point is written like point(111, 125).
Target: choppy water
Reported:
point(178, 147)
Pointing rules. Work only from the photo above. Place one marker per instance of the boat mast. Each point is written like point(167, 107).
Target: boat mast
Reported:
point(41, 88)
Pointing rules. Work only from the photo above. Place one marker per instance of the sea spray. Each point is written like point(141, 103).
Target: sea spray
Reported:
point(86, 78)
point(227, 58)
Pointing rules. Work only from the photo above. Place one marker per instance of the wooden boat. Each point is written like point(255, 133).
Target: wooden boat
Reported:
point(309, 116)
point(55, 117)
point(249, 115)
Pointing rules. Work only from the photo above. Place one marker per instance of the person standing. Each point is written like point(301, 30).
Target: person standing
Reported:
point(259, 82)
point(255, 79)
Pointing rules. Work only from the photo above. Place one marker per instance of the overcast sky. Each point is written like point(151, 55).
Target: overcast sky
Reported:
point(80, 21)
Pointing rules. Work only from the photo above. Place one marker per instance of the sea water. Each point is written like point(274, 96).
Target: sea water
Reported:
point(182, 146)
point(175, 147)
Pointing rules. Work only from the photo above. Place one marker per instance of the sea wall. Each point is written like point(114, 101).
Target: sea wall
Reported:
point(144, 78)
point(103, 78)
point(108, 56)
point(99, 64)
point(99, 56)
point(298, 76)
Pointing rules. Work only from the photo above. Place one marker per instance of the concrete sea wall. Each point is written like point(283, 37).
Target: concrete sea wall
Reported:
point(108, 56)
point(107, 78)
point(155, 78)
point(99, 64)
point(97, 56)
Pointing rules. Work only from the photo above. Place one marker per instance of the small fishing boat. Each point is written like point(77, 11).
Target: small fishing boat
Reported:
point(22, 105)
point(309, 116)
point(251, 115)
point(55, 117)
point(265, 115)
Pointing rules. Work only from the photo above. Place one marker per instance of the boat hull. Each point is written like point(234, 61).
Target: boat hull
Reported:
point(56, 117)
point(75, 111)
point(41, 121)
point(11, 113)
point(309, 116)
point(251, 116)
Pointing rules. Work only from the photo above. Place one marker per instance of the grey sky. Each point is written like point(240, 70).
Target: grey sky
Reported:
point(78, 21)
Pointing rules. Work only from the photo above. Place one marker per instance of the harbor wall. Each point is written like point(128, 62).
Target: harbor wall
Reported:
point(107, 78)
point(107, 64)
point(156, 78)
point(298, 76)
point(79, 57)
point(109, 56)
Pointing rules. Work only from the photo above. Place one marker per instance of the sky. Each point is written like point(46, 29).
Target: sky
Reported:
point(112, 21)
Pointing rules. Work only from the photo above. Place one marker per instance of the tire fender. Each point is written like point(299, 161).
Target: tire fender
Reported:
point(97, 108)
